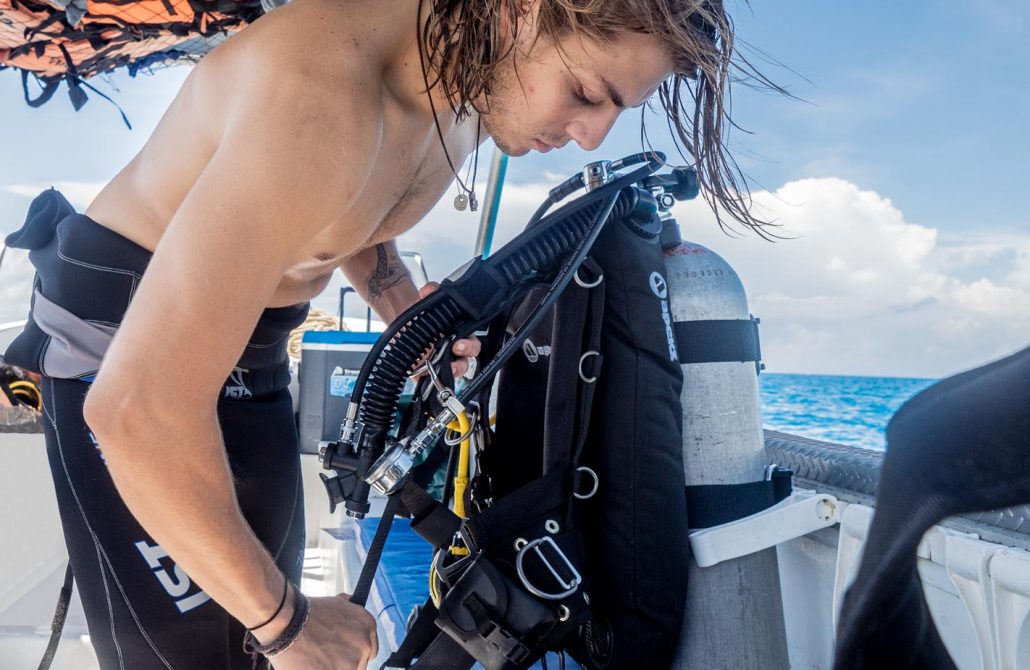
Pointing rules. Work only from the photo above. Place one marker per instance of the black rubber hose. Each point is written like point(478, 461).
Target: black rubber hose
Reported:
point(540, 311)
point(429, 322)
point(387, 366)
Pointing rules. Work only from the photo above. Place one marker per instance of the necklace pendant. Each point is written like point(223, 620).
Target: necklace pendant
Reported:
point(461, 201)
point(473, 201)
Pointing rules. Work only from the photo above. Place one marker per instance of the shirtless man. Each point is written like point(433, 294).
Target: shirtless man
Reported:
point(304, 144)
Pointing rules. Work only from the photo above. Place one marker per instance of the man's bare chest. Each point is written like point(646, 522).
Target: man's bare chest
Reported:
point(396, 198)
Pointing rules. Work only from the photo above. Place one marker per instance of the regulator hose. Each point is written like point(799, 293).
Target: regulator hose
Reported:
point(479, 291)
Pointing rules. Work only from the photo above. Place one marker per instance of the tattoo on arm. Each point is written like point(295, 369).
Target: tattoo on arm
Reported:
point(389, 272)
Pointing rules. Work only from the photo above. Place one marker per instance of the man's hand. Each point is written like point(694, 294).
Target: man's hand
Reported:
point(463, 349)
point(339, 635)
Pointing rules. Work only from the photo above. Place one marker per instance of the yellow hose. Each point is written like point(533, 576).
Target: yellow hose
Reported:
point(461, 477)
point(461, 483)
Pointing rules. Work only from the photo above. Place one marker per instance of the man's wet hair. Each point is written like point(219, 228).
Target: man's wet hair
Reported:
point(464, 45)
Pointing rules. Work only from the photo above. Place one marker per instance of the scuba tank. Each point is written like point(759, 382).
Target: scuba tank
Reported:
point(734, 617)
point(579, 545)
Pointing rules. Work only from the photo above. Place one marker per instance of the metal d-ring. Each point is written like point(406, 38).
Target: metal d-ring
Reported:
point(593, 491)
point(455, 441)
point(582, 358)
point(584, 284)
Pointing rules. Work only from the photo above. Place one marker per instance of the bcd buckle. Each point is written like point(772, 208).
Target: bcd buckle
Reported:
point(550, 555)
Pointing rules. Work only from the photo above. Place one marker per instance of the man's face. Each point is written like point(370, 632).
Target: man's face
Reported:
point(544, 98)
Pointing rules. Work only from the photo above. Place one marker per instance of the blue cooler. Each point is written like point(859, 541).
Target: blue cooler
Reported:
point(329, 366)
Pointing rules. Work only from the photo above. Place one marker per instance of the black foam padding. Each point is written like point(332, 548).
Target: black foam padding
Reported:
point(960, 446)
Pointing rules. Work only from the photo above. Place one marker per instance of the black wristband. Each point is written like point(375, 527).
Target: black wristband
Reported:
point(282, 601)
point(301, 607)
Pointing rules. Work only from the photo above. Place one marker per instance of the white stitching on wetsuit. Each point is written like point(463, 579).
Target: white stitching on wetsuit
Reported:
point(110, 607)
point(265, 346)
point(96, 542)
point(136, 278)
point(75, 261)
point(132, 611)
point(99, 545)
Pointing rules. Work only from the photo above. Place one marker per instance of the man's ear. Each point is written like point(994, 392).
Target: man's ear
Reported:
point(524, 13)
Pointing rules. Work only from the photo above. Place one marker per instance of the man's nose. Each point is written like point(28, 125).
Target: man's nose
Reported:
point(589, 130)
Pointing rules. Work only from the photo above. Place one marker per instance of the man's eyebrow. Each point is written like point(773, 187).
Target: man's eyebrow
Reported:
point(614, 95)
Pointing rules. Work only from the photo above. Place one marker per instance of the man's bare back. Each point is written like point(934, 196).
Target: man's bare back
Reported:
point(353, 40)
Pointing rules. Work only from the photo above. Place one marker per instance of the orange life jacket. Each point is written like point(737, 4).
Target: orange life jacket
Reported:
point(73, 40)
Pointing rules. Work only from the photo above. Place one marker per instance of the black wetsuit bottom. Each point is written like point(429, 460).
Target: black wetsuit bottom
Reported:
point(142, 610)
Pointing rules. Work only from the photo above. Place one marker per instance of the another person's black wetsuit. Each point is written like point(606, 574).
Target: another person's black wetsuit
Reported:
point(142, 610)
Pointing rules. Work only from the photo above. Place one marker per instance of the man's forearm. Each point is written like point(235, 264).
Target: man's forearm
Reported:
point(382, 280)
point(173, 476)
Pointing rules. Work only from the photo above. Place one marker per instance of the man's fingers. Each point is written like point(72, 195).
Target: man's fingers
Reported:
point(428, 288)
point(459, 367)
point(469, 346)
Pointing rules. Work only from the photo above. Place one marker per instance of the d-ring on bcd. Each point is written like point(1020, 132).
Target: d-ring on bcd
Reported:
point(584, 284)
point(582, 358)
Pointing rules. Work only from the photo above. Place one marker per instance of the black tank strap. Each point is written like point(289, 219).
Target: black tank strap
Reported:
point(715, 504)
point(717, 341)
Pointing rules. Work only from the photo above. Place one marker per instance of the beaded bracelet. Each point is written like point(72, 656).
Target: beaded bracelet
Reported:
point(282, 601)
point(285, 640)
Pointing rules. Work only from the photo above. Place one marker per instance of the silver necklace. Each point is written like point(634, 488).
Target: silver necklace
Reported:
point(466, 197)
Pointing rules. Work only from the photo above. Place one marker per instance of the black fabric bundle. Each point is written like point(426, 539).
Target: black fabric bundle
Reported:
point(960, 446)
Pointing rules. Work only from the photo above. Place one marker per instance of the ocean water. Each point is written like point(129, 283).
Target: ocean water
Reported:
point(847, 410)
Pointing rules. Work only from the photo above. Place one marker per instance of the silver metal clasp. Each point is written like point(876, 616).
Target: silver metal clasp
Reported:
point(553, 558)
point(597, 174)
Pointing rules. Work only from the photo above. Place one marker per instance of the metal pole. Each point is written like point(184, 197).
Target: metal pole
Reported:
point(491, 203)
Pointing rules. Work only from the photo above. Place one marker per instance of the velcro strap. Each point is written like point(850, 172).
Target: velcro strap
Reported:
point(479, 289)
point(717, 341)
point(421, 632)
point(445, 653)
point(429, 518)
point(715, 504)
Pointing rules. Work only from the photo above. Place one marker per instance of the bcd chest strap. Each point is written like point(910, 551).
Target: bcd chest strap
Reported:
point(514, 590)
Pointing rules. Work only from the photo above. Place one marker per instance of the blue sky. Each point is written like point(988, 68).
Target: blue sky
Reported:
point(900, 175)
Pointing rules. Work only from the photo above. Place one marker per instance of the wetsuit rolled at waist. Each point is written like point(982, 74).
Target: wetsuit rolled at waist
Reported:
point(142, 610)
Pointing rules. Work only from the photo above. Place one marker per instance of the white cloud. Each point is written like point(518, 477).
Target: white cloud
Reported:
point(15, 285)
point(861, 290)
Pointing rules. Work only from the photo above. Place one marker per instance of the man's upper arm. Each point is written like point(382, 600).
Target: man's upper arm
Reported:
point(282, 173)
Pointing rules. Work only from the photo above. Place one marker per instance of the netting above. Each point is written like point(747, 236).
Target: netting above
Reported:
point(73, 40)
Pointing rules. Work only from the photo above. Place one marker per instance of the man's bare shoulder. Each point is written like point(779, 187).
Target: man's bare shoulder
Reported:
point(324, 50)
point(307, 71)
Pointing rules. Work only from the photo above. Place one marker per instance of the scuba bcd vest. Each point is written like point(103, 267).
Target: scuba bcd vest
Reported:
point(571, 535)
